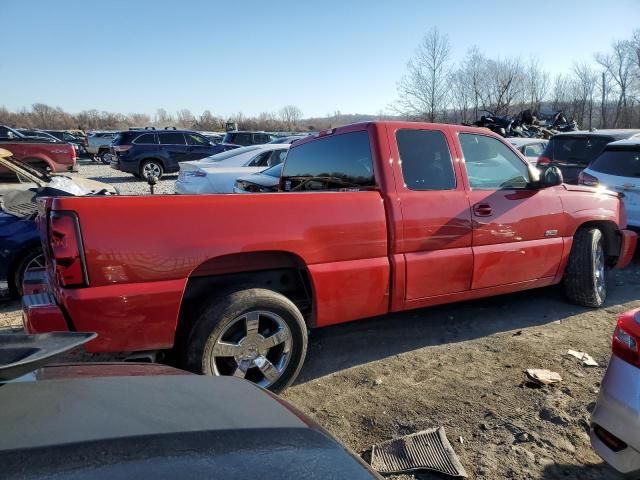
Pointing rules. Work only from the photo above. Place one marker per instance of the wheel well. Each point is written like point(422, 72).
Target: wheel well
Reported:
point(146, 159)
point(611, 234)
point(103, 149)
point(281, 272)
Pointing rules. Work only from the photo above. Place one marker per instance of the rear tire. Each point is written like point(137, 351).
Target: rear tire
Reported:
point(585, 279)
point(149, 167)
point(253, 333)
point(33, 258)
point(104, 156)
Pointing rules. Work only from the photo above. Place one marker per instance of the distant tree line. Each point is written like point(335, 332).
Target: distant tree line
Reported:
point(605, 94)
point(40, 115)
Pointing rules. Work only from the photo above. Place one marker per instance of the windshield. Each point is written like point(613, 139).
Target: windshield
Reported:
point(274, 171)
point(622, 163)
point(230, 153)
point(577, 149)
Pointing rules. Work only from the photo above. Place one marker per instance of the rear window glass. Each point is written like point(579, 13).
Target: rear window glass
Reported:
point(425, 159)
point(578, 150)
point(171, 138)
point(533, 150)
point(622, 163)
point(339, 162)
point(146, 139)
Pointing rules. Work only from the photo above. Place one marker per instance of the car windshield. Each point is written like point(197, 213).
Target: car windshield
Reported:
point(230, 153)
point(578, 149)
point(619, 162)
point(274, 171)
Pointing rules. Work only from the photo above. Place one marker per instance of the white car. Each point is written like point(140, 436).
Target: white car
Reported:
point(218, 173)
point(531, 148)
point(618, 168)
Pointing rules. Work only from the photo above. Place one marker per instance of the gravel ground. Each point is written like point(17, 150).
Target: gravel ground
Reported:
point(460, 366)
point(125, 182)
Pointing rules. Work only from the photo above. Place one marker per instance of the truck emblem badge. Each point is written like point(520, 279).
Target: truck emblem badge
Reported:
point(550, 233)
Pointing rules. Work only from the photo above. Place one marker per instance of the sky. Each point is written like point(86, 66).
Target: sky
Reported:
point(254, 56)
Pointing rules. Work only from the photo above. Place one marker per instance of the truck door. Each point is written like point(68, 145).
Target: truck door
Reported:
point(517, 230)
point(436, 233)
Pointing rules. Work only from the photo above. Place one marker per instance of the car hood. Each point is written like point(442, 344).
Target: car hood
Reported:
point(590, 190)
point(260, 179)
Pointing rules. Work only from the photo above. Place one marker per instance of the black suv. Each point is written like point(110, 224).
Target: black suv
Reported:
point(246, 139)
point(572, 152)
point(155, 152)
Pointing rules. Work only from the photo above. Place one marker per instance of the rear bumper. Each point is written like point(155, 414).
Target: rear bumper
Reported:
point(628, 245)
point(618, 412)
point(41, 314)
point(127, 317)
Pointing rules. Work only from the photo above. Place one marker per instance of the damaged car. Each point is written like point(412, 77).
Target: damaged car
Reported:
point(20, 248)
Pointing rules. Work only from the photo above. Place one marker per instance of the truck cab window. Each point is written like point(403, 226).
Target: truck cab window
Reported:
point(340, 162)
point(425, 160)
point(491, 165)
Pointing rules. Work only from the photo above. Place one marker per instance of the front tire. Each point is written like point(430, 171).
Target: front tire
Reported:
point(105, 157)
point(585, 279)
point(256, 334)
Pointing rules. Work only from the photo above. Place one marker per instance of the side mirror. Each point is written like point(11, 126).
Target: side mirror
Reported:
point(550, 177)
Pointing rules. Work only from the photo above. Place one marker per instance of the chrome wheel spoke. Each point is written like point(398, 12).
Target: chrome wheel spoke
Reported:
point(267, 368)
point(225, 349)
point(276, 339)
point(252, 322)
point(241, 369)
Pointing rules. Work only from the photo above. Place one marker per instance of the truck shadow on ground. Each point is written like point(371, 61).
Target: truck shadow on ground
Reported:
point(580, 472)
point(339, 347)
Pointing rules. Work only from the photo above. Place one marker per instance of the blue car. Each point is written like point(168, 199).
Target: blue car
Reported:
point(147, 153)
point(20, 251)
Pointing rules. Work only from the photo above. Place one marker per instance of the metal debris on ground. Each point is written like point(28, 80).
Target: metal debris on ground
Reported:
point(543, 376)
point(586, 359)
point(426, 450)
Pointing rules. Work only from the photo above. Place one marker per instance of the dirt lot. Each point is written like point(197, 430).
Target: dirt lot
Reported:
point(461, 366)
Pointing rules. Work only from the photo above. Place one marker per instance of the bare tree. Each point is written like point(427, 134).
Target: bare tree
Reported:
point(423, 90)
point(619, 64)
point(290, 116)
point(537, 83)
point(586, 79)
point(185, 119)
point(505, 84)
point(163, 118)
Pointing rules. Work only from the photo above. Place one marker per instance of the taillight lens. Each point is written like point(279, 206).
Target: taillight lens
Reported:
point(626, 338)
point(66, 249)
point(586, 179)
point(543, 161)
point(121, 148)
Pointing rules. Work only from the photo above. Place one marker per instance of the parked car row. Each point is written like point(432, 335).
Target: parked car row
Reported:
point(42, 153)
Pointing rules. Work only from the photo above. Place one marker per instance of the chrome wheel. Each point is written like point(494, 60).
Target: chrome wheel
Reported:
point(599, 272)
point(36, 263)
point(151, 169)
point(256, 346)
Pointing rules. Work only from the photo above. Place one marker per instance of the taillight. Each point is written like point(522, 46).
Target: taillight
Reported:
point(66, 249)
point(543, 161)
point(626, 338)
point(121, 148)
point(73, 153)
point(586, 179)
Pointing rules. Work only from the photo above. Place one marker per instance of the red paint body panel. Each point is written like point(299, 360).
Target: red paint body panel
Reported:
point(628, 248)
point(366, 252)
point(43, 319)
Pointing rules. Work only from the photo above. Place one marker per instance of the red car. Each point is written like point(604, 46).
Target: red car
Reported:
point(39, 153)
point(373, 218)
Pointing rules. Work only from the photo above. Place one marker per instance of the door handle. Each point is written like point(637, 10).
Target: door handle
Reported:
point(483, 210)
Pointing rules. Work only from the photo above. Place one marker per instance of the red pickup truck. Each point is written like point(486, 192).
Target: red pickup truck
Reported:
point(372, 218)
point(47, 156)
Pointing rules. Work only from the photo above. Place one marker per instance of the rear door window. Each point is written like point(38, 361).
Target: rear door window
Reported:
point(339, 162)
point(260, 160)
point(425, 160)
point(146, 139)
point(171, 138)
point(619, 162)
point(579, 150)
point(195, 139)
point(491, 165)
point(242, 139)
